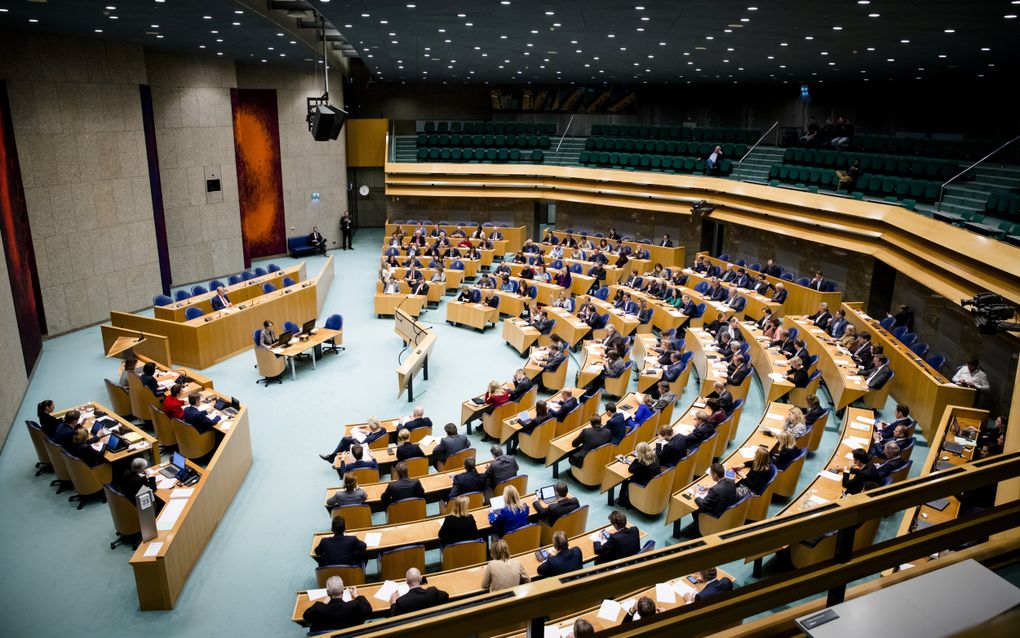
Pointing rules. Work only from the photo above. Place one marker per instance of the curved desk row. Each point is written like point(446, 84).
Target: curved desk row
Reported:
point(513, 236)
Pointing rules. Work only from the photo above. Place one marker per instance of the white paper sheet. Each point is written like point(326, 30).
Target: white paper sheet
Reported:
point(388, 588)
point(664, 593)
point(163, 483)
point(854, 425)
point(610, 610)
point(426, 440)
point(168, 517)
point(681, 587)
point(153, 549)
point(775, 417)
point(747, 452)
point(596, 537)
point(832, 476)
point(184, 492)
point(317, 594)
point(225, 425)
point(372, 539)
point(865, 419)
point(777, 376)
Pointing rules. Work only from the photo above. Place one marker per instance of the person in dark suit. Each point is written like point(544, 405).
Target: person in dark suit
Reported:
point(815, 410)
point(714, 586)
point(133, 479)
point(716, 500)
point(563, 505)
point(821, 317)
point(786, 450)
point(148, 379)
point(901, 437)
point(860, 475)
point(817, 282)
point(838, 324)
point(64, 432)
point(723, 396)
point(621, 542)
point(340, 549)
point(588, 439)
point(759, 470)
point(771, 269)
point(666, 241)
point(880, 374)
point(358, 461)
point(703, 429)
point(459, 525)
point(543, 324)
point(893, 462)
point(613, 339)
point(375, 432)
point(672, 372)
point(887, 430)
point(417, 420)
point(406, 449)
point(556, 357)
point(861, 351)
point(797, 375)
point(220, 300)
point(81, 448)
point(716, 292)
point(501, 467)
point(781, 293)
point(470, 480)
point(450, 444)
point(566, 559)
point(335, 613)
point(48, 422)
point(401, 488)
point(672, 448)
point(317, 240)
point(567, 404)
point(197, 418)
point(740, 370)
point(617, 423)
point(800, 351)
point(521, 385)
point(417, 597)
point(762, 286)
point(642, 469)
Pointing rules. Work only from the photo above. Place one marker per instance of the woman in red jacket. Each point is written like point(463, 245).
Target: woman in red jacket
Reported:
point(496, 396)
point(173, 407)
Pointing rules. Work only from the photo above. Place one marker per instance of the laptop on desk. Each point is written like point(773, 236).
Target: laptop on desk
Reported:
point(177, 465)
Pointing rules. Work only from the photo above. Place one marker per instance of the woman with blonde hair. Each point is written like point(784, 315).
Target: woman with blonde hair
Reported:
point(459, 525)
point(503, 572)
point(795, 423)
point(495, 395)
point(375, 432)
point(760, 471)
point(513, 515)
point(643, 469)
point(787, 451)
point(849, 337)
point(406, 449)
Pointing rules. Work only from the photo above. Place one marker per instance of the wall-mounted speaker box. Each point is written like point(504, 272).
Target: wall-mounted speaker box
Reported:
point(327, 122)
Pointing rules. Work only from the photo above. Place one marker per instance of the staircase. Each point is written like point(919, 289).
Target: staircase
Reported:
point(970, 195)
point(569, 152)
point(756, 167)
point(407, 148)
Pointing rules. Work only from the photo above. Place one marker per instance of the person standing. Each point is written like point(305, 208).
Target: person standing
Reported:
point(346, 230)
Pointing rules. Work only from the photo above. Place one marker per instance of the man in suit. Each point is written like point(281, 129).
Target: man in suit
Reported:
point(644, 313)
point(555, 357)
point(566, 559)
point(401, 488)
point(317, 240)
point(741, 368)
point(567, 404)
point(700, 264)
point(135, 478)
point(417, 597)
point(541, 322)
point(501, 467)
point(716, 291)
point(521, 385)
point(671, 372)
point(800, 351)
point(666, 398)
point(617, 423)
point(716, 499)
point(417, 420)
point(220, 300)
point(817, 282)
point(798, 376)
point(666, 241)
point(880, 374)
point(470, 480)
point(340, 549)
point(771, 269)
point(730, 274)
point(588, 439)
point(723, 396)
point(780, 294)
point(450, 444)
point(689, 308)
point(672, 448)
point(860, 474)
point(419, 287)
point(563, 505)
point(613, 339)
point(822, 316)
point(148, 379)
point(902, 418)
point(713, 586)
point(621, 542)
point(743, 279)
point(64, 431)
point(358, 461)
point(893, 462)
point(732, 328)
point(838, 324)
point(197, 418)
point(703, 429)
point(761, 285)
point(336, 613)
point(901, 437)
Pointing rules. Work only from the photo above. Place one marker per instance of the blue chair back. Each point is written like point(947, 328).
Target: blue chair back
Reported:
point(181, 295)
point(268, 287)
point(724, 256)
point(261, 271)
point(647, 547)
point(602, 293)
point(234, 279)
point(715, 271)
point(334, 322)
point(887, 323)
point(936, 360)
point(247, 275)
point(755, 266)
point(815, 374)
point(198, 290)
point(812, 360)
point(899, 331)
point(602, 321)
point(702, 287)
point(290, 326)
point(570, 305)
point(920, 349)
point(273, 268)
point(575, 268)
point(531, 291)
point(685, 357)
point(792, 332)
point(638, 281)
point(192, 312)
point(739, 304)
point(257, 336)
point(532, 260)
point(626, 250)
point(643, 253)
point(803, 281)
point(701, 311)
point(457, 265)
point(216, 283)
point(599, 235)
point(828, 286)
point(908, 338)
point(392, 252)
point(786, 276)
point(739, 403)
point(476, 295)
point(161, 300)
point(557, 264)
point(740, 262)
point(287, 281)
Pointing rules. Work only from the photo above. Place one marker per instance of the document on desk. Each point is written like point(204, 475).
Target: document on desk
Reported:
point(610, 610)
point(681, 587)
point(372, 539)
point(168, 517)
point(775, 417)
point(225, 425)
point(664, 593)
point(387, 589)
point(865, 419)
point(183, 492)
point(856, 442)
point(153, 549)
point(832, 476)
point(596, 537)
point(777, 376)
point(857, 425)
point(316, 594)
point(163, 483)
point(747, 452)
point(426, 440)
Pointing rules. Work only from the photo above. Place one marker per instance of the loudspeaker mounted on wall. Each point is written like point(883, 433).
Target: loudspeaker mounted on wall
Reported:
point(326, 122)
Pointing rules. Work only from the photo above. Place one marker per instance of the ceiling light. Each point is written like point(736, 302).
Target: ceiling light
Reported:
point(207, 17)
point(949, 31)
point(114, 18)
point(639, 30)
point(442, 30)
point(110, 7)
point(1010, 16)
point(219, 53)
point(904, 41)
point(365, 15)
point(709, 37)
point(874, 15)
point(240, 12)
point(461, 15)
point(639, 8)
point(502, 37)
point(550, 13)
point(154, 26)
point(645, 18)
point(96, 30)
point(745, 19)
point(986, 49)
point(236, 24)
point(825, 53)
point(752, 8)
point(837, 28)
point(469, 24)
point(217, 39)
point(863, 2)
point(504, 2)
point(784, 44)
point(871, 48)
point(201, 46)
point(610, 35)
point(411, 6)
point(809, 37)
point(534, 31)
point(662, 44)
point(890, 59)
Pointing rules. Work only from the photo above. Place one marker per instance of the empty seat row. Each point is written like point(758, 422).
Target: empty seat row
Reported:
point(662, 147)
point(665, 163)
point(487, 141)
point(1003, 204)
point(184, 293)
point(958, 149)
point(900, 187)
point(873, 162)
point(727, 134)
point(502, 128)
point(487, 155)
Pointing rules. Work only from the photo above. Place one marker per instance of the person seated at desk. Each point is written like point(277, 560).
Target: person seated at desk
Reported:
point(556, 252)
point(564, 406)
point(716, 291)
point(644, 412)
point(540, 321)
point(48, 422)
point(613, 339)
point(335, 613)
point(623, 258)
point(643, 312)
point(148, 378)
point(761, 285)
point(633, 280)
point(173, 407)
point(861, 352)
point(566, 559)
point(838, 324)
point(887, 429)
point(406, 449)
point(196, 417)
point(375, 432)
point(721, 394)
point(439, 276)
point(81, 448)
point(416, 420)
point(701, 265)
point(644, 608)
point(861, 475)
point(501, 468)
point(349, 494)
point(904, 317)
point(797, 375)
point(340, 549)
point(666, 397)
point(531, 247)
point(598, 274)
point(135, 478)
point(562, 505)
point(771, 328)
point(731, 329)
point(413, 273)
point(821, 317)
point(714, 586)
point(267, 338)
point(464, 296)
point(503, 572)
point(220, 300)
point(794, 423)
point(786, 342)
point(556, 356)
point(468, 481)
point(130, 366)
point(972, 376)
point(616, 424)
point(643, 469)
point(621, 542)
point(715, 501)
point(458, 525)
point(401, 488)
point(459, 233)
point(495, 395)
point(892, 462)
point(519, 257)
point(549, 238)
point(419, 287)
point(64, 432)
point(502, 269)
point(563, 301)
point(613, 366)
point(741, 368)
point(471, 252)
point(759, 471)
point(815, 410)
point(786, 450)
point(512, 516)
point(880, 372)
point(417, 597)
point(743, 280)
point(450, 444)
point(900, 436)
point(358, 461)
point(578, 254)
point(781, 293)
point(588, 439)
point(586, 310)
point(521, 385)
point(799, 351)
point(564, 279)
point(817, 283)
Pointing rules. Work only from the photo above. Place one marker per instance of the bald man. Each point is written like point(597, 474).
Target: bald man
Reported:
point(417, 597)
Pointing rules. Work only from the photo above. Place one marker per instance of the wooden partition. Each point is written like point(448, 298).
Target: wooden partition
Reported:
point(153, 346)
point(801, 300)
point(514, 236)
point(237, 293)
point(672, 256)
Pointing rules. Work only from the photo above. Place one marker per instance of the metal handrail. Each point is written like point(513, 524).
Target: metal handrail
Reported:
point(774, 125)
point(953, 178)
point(569, 122)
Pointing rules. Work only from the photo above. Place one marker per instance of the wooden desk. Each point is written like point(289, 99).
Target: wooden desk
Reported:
point(756, 303)
point(436, 288)
point(209, 339)
point(513, 236)
point(510, 303)
point(140, 440)
point(160, 577)
point(386, 304)
point(646, 361)
point(436, 485)
point(624, 324)
point(475, 315)
point(707, 362)
point(914, 383)
point(580, 283)
point(568, 326)
point(664, 316)
point(673, 256)
point(840, 373)
point(770, 364)
point(561, 446)
point(613, 273)
point(300, 345)
point(239, 293)
point(681, 503)
point(520, 335)
point(801, 300)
